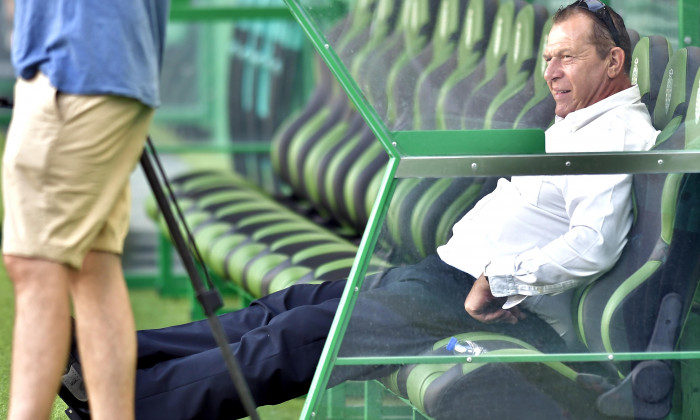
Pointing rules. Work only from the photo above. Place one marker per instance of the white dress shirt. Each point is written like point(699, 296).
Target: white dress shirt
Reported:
point(538, 236)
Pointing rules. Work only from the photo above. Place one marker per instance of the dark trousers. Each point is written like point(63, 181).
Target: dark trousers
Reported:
point(278, 340)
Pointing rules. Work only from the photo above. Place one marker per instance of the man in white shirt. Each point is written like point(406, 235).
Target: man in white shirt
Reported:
point(575, 226)
point(526, 245)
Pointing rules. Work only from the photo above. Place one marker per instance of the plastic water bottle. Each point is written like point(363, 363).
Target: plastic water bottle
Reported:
point(464, 347)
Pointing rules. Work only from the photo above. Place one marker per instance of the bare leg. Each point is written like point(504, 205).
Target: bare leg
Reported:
point(105, 329)
point(41, 335)
point(106, 336)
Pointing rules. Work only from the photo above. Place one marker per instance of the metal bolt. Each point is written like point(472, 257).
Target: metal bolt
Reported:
point(326, 46)
point(393, 143)
point(357, 289)
point(688, 40)
point(474, 166)
point(610, 357)
point(660, 162)
point(568, 163)
point(469, 359)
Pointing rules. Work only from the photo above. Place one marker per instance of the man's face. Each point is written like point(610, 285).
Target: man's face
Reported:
point(576, 75)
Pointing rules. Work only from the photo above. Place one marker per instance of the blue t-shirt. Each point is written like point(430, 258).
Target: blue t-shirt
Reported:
point(101, 47)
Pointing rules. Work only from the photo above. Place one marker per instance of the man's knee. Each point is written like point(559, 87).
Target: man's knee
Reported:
point(101, 264)
point(27, 273)
point(18, 268)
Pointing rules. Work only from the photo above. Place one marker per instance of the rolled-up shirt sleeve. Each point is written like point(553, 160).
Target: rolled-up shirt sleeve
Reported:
point(600, 212)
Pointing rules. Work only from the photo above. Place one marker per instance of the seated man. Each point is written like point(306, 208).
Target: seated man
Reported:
point(522, 249)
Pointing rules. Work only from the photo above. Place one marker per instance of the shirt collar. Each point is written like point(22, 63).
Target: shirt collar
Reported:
point(580, 118)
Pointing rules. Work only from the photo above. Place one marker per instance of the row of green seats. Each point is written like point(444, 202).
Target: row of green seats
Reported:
point(332, 161)
point(641, 305)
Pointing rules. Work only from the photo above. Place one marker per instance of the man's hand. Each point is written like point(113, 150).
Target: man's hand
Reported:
point(485, 307)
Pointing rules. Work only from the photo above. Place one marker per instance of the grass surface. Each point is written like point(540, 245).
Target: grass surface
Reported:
point(150, 311)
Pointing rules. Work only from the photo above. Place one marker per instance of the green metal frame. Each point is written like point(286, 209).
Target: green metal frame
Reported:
point(211, 111)
point(451, 154)
point(688, 23)
point(449, 158)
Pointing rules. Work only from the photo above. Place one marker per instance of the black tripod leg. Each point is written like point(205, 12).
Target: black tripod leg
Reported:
point(208, 298)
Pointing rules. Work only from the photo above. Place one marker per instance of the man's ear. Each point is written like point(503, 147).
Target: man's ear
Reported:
point(616, 62)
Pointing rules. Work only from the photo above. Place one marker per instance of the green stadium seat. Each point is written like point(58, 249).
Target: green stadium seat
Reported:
point(676, 85)
point(460, 84)
point(401, 92)
point(654, 52)
point(478, 107)
point(473, 37)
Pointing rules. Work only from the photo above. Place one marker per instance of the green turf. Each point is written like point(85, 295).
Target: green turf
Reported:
point(6, 310)
point(150, 311)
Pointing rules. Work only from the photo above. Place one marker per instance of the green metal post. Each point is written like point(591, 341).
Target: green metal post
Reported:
point(183, 11)
point(688, 23)
point(341, 73)
point(352, 288)
point(378, 213)
point(217, 68)
point(169, 284)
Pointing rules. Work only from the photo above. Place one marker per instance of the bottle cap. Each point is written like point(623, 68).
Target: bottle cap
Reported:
point(451, 344)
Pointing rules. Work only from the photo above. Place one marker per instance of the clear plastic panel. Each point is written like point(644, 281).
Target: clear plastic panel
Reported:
point(410, 337)
point(455, 65)
point(451, 65)
point(429, 64)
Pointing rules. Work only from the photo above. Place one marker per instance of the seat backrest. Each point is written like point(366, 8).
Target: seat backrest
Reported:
point(414, 29)
point(461, 83)
point(538, 111)
point(649, 60)
point(501, 40)
point(675, 90)
point(401, 92)
point(360, 17)
point(617, 312)
point(385, 19)
point(512, 76)
point(475, 31)
point(527, 35)
point(511, 102)
point(327, 90)
point(634, 38)
point(385, 16)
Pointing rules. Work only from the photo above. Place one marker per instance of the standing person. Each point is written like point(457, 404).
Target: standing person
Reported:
point(511, 265)
point(86, 91)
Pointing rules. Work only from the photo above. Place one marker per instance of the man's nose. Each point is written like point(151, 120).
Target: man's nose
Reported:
point(552, 70)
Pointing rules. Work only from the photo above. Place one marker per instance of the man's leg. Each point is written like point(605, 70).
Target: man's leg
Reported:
point(278, 360)
point(66, 168)
point(41, 335)
point(106, 335)
point(159, 345)
point(414, 306)
point(278, 348)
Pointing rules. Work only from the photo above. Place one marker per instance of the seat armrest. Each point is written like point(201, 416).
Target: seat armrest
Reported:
point(647, 391)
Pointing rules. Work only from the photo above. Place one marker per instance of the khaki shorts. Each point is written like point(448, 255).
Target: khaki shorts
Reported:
point(66, 172)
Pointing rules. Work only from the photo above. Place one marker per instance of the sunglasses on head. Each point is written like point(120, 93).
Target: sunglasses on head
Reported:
point(601, 12)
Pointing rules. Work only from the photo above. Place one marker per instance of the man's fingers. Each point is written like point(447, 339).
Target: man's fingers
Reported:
point(508, 318)
point(498, 316)
point(517, 312)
